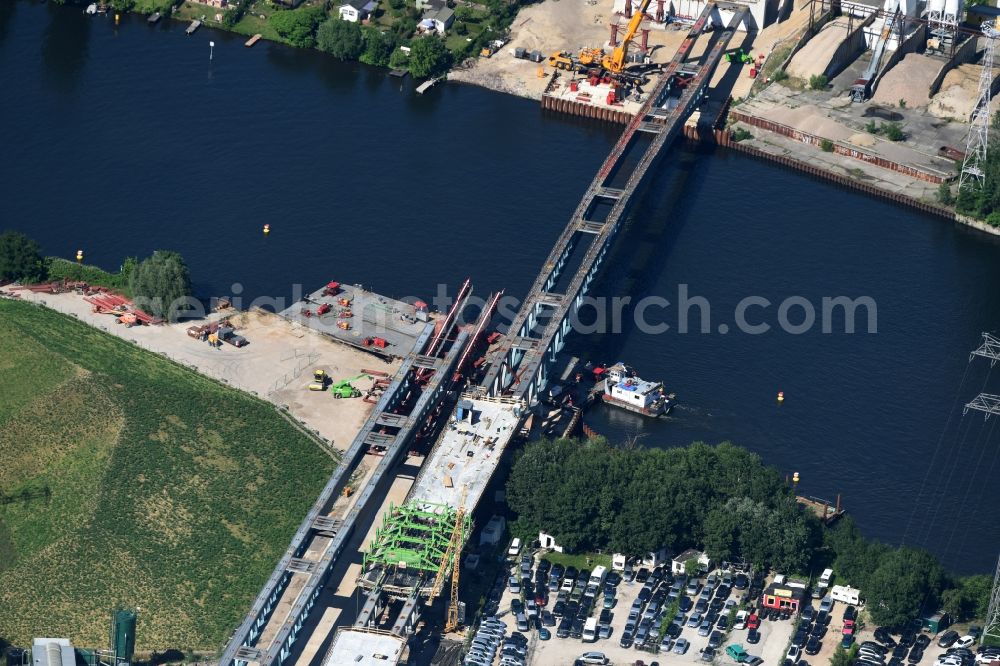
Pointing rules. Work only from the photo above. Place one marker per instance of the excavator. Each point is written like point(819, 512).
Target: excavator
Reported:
point(592, 58)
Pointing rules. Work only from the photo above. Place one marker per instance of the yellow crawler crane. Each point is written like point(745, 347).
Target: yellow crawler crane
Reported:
point(455, 548)
point(615, 63)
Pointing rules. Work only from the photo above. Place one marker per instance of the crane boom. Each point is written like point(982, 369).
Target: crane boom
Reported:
point(616, 62)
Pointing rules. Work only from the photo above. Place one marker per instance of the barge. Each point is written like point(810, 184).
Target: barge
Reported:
point(621, 387)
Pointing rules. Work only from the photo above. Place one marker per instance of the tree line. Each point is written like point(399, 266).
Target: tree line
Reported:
point(721, 499)
point(592, 496)
point(159, 284)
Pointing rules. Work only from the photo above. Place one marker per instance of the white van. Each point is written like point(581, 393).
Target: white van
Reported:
point(823, 584)
point(515, 548)
point(597, 576)
point(845, 594)
point(590, 630)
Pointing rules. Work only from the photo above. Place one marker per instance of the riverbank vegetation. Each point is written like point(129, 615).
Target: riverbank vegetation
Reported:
point(591, 496)
point(160, 284)
point(128, 479)
point(387, 39)
point(21, 261)
point(983, 201)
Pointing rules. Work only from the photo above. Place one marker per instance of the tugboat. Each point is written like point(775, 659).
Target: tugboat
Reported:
point(623, 388)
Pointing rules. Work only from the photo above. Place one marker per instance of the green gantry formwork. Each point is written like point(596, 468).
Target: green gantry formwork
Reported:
point(414, 536)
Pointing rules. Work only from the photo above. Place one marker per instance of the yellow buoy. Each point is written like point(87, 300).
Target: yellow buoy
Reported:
point(781, 396)
point(117, 18)
point(267, 228)
point(795, 477)
point(79, 255)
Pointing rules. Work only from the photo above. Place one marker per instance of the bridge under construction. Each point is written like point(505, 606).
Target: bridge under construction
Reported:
point(419, 543)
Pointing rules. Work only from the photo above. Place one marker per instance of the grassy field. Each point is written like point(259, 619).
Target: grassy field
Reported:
point(126, 479)
point(581, 561)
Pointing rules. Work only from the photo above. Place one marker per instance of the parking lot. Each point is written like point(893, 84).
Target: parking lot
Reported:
point(775, 635)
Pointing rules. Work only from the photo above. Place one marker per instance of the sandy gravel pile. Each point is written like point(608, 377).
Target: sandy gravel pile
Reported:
point(910, 80)
point(958, 94)
point(813, 58)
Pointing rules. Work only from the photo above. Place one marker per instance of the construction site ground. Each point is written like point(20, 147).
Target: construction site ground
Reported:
point(834, 117)
point(276, 365)
point(557, 25)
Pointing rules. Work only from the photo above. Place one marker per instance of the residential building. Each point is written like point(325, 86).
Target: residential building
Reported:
point(357, 10)
point(438, 19)
point(678, 564)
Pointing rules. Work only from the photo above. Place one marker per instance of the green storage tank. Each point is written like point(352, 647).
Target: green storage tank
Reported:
point(123, 635)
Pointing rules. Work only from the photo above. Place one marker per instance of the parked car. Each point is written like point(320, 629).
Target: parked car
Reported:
point(715, 640)
point(593, 658)
point(753, 622)
point(753, 637)
point(883, 637)
point(705, 628)
point(544, 634)
point(947, 639)
point(813, 646)
point(826, 604)
point(741, 582)
point(626, 640)
point(708, 655)
point(850, 613)
point(794, 653)
point(681, 646)
point(965, 641)
point(736, 653)
point(916, 654)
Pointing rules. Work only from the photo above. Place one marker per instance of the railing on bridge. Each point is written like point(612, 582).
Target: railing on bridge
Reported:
point(242, 647)
point(518, 367)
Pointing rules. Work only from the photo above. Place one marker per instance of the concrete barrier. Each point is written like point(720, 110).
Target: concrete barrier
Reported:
point(840, 148)
point(723, 138)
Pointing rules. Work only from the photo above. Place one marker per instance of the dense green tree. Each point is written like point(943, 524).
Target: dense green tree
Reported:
point(161, 284)
point(403, 28)
point(634, 501)
point(842, 657)
point(20, 258)
point(905, 582)
point(775, 536)
point(399, 59)
point(341, 39)
point(969, 599)
point(982, 200)
point(429, 57)
point(298, 26)
point(379, 46)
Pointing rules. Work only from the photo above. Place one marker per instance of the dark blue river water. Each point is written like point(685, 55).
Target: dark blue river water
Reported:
point(120, 141)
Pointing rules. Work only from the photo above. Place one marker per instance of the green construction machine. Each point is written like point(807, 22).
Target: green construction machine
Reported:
point(739, 55)
point(344, 388)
